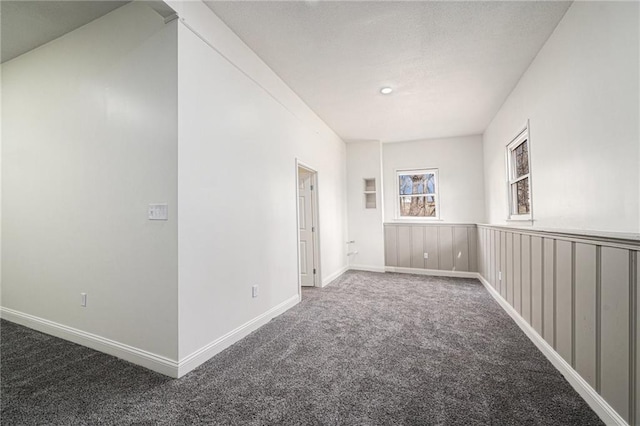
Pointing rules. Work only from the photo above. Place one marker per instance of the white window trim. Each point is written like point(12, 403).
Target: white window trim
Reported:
point(435, 172)
point(522, 136)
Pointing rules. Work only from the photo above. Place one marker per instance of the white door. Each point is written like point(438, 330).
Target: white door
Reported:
point(305, 210)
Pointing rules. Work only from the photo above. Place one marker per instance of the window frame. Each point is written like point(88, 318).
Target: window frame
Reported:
point(522, 137)
point(436, 195)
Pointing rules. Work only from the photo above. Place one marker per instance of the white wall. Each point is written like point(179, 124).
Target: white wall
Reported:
point(459, 164)
point(581, 95)
point(240, 132)
point(89, 139)
point(365, 225)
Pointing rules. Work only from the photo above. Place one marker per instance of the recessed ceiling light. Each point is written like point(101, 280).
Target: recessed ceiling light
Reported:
point(386, 90)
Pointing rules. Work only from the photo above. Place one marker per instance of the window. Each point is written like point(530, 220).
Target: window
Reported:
point(418, 193)
point(519, 177)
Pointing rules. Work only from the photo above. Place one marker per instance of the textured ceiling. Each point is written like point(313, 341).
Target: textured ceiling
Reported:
point(451, 64)
point(25, 25)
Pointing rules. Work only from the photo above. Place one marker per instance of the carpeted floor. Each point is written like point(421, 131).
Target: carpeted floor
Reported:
point(370, 349)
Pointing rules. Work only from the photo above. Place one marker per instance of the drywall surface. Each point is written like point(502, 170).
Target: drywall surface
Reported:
point(238, 144)
point(581, 95)
point(365, 224)
point(89, 139)
point(459, 164)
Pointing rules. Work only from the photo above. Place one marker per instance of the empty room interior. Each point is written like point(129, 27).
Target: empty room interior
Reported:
point(320, 212)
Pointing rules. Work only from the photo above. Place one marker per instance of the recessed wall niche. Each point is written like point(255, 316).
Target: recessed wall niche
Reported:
point(370, 193)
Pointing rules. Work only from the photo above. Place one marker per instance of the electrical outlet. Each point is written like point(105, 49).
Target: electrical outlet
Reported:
point(426, 255)
point(83, 300)
point(499, 275)
point(254, 291)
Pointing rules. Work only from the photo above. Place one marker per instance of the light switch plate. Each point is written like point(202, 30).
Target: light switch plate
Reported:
point(158, 211)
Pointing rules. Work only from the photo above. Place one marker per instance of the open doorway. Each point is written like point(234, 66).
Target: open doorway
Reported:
point(308, 244)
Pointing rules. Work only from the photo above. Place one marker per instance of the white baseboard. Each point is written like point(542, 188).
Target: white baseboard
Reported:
point(205, 353)
point(149, 360)
point(606, 413)
point(333, 276)
point(175, 369)
point(138, 356)
point(432, 272)
point(367, 268)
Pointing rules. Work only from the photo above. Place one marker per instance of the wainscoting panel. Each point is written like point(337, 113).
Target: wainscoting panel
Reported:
point(493, 250)
point(635, 322)
point(517, 273)
point(614, 329)
point(417, 247)
point(445, 248)
point(496, 261)
point(548, 291)
point(431, 247)
point(564, 301)
point(390, 246)
point(490, 244)
point(503, 264)
point(472, 235)
point(450, 247)
point(536, 284)
point(585, 312)
point(480, 251)
point(509, 267)
point(404, 246)
point(461, 249)
point(579, 292)
point(526, 277)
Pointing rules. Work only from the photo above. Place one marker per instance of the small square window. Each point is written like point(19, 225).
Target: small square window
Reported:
point(418, 194)
point(519, 177)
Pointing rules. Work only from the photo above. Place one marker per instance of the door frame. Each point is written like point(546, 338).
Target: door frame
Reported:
point(315, 223)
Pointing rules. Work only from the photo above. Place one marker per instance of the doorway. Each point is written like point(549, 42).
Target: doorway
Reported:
point(308, 244)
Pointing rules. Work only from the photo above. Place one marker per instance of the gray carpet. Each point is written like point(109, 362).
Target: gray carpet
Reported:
point(370, 349)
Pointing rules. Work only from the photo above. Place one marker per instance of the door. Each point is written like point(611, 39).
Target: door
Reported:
point(307, 229)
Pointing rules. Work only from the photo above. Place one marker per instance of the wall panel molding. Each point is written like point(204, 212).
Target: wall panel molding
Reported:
point(449, 246)
point(614, 329)
point(578, 302)
point(575, 294)
point(633, 337)
point(601, 407)
point(517, 273)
